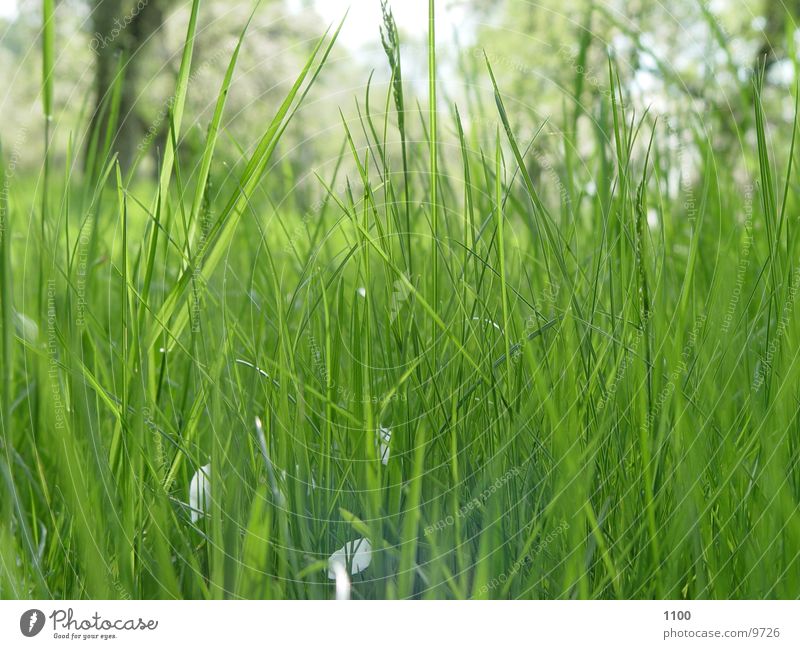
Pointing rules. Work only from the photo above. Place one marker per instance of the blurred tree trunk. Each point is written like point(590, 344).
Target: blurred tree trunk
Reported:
point(120, 28)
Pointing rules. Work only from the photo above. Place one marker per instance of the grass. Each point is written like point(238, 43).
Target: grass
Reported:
point(590, 393)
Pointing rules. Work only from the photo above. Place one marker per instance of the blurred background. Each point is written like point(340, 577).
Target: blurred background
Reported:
point(692, 57)
point(692, 65)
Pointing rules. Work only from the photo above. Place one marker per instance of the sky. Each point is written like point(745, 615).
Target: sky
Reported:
point(8, 8)
point(361, 27)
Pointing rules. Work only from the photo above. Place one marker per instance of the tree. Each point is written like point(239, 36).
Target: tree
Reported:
point(121, 29)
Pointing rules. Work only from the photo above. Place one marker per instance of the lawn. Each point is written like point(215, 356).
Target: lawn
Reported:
point(477, 371)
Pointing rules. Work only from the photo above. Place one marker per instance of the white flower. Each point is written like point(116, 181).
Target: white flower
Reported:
point(342, 581)
point(362, 291)
point(357, 554)
point(382, 438)
point(200, 492)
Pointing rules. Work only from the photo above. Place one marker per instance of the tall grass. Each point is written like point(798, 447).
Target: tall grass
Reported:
point(589, 393)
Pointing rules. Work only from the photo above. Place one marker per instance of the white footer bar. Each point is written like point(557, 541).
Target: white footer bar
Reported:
point(231, 625)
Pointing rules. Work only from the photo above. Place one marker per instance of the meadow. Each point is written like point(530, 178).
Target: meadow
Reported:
point(478, 366)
